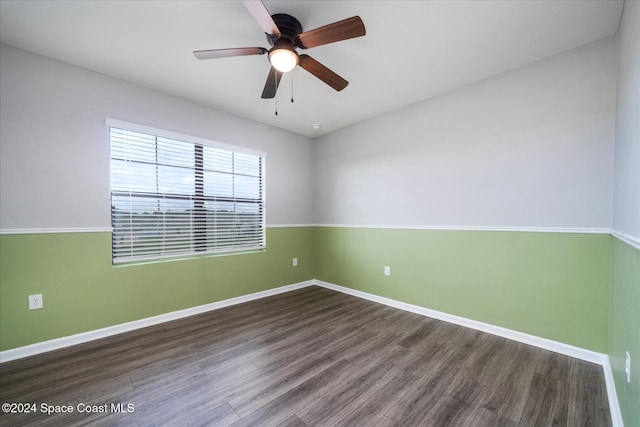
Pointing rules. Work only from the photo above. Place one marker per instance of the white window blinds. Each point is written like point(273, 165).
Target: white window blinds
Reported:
point(177, 198)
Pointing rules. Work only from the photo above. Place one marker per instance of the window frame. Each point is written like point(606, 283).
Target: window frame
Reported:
point(198, 184)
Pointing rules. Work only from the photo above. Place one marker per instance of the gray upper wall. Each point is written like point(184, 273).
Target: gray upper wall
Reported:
point(626, 206)
point(54, 144)
point(532, 147)
point(529, 148)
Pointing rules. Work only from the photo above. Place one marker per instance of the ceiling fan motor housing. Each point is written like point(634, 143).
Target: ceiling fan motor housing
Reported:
point(289, 28)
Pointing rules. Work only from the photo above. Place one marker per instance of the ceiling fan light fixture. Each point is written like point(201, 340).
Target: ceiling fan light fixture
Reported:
point(284, 34)
point(283, 58)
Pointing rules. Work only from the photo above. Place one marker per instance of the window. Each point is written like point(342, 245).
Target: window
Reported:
point(174, 195)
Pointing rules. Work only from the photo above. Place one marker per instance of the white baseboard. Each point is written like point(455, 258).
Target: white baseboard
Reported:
point(558, 347)
point(58, 343)
point(614, 405)
point(555, 346)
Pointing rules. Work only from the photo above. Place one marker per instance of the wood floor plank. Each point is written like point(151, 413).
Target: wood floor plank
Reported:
point(304, 395)
point(334, 407)
point(583, 395)
point(547, 402)
point(467, 390)
point(518, 362)
point(371, 407)
point(482, 417)
point(312, 356)
point(279, 382)
point(446, 412)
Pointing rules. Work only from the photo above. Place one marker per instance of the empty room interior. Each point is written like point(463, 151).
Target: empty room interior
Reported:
point(420, 213)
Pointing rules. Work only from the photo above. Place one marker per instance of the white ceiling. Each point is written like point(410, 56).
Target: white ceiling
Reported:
point(413, 50)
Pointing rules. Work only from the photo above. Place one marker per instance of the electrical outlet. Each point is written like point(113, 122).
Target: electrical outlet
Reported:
point(387, 270)
point(295, 262)
point(627, 366)
point(35, 301)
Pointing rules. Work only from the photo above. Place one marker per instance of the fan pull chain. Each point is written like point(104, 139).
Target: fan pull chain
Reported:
point(292, 86)
point(275, 76)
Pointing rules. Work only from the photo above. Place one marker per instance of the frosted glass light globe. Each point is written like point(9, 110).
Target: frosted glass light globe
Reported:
point(283, 60)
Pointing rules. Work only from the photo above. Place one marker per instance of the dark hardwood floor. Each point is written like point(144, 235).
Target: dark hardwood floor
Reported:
point(308, 357)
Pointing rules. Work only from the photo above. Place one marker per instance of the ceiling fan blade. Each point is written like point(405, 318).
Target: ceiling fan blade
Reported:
point(322, 72)
point(271, 85)
point(224, 53)
point(259, 11)
point(340, 30)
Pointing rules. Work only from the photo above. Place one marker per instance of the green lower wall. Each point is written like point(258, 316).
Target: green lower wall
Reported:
point(624, 328)
point(551, 285)
point(83, 291)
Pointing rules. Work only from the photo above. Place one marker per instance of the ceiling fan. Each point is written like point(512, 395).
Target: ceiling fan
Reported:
point(285, 35)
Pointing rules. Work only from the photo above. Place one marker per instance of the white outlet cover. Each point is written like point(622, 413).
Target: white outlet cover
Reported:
point(295, 262)
point(387, 270)
point(627, 366)
point(35, 301)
